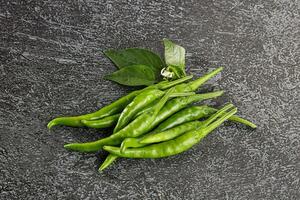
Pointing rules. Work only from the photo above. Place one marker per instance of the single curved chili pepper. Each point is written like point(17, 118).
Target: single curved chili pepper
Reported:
point(138, 103)
point(194, 113)
point(161, 136)
point(185, 115)
point(103, 122)
point(171, 132)
point(147, 108)
point(113, 108)
point(143, 123)
point(170, 147)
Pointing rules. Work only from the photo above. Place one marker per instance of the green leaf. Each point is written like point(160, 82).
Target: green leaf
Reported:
point(134, 75)
point(175, 59)
point(135, 56)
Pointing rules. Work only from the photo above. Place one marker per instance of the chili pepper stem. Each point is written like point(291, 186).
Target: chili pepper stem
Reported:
point(213, 125)
point(167, 135)
point(217, 114)
point(209, 95)
point(243, 121)
point(182, 94)
point(166, 85)
point(236, 119)
point(198, 82)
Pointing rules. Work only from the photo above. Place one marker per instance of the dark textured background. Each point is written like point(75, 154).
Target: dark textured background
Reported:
point(52, 64)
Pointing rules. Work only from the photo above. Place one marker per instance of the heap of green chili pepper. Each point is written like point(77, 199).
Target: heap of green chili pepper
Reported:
point(154, 122)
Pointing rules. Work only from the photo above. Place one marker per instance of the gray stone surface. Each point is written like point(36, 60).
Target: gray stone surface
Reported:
point(51, 64)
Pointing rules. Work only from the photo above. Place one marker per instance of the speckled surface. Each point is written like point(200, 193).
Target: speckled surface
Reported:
point(51, 64)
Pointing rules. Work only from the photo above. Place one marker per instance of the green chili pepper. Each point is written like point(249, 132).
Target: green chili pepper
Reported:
point(144, 122)
point(159, 137)
point(194, 113)
point(138, 103)
point(113, 108)
point(185, 115)
point(147, 108)
point(171, 147)
point(108, 161)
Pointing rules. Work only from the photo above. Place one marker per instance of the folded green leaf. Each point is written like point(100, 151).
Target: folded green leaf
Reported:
point(175, 59)
point(135, 56)
point(134, 75)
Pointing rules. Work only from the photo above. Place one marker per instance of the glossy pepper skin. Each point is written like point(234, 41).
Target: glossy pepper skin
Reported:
point(170, 108)
point(194, 113)
point(143, 123)
point(140, 125)
point(172, 132)
point(192, 86)
point(148, 96)
point(113, 108)
point(140, 104)
point(159, 137)
point(179, 103)
point(182, 87)
point(103, 122)
point(137, 104)
point(185, 115)
point(170, 147)
point(182, 128)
